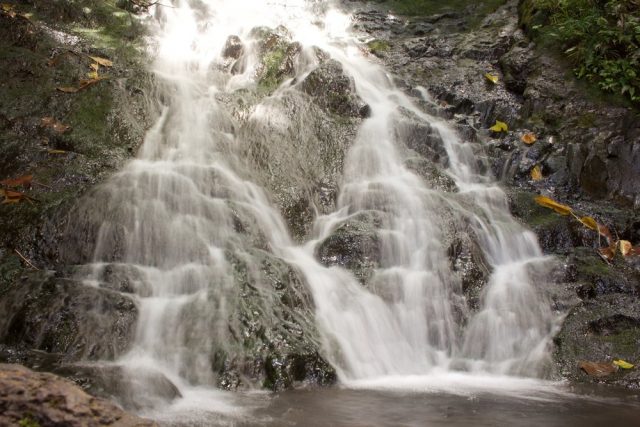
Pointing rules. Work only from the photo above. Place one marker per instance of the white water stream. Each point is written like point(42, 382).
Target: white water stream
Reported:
point(179, 197)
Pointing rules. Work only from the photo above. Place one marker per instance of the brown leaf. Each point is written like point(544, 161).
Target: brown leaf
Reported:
point(24, 181)
point(529, 138)
point(589, 222)
point(11, 197)
point(67, 89)
point(608, 253)
point(86, 83)
point(102, 61)
point(604, 231)
point(50, 122)
point(552, 204)
point(597, 370)
point(625, 247)
point(95, 66)
point(536, 173)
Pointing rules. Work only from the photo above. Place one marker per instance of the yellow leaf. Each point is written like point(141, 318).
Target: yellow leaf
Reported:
point(92, 74)
point(95, 66)
point(589, 222)
point(529, 138)
point(536, 173)
point(493, 79)
point(625, 247)
point(499, 127)
point(6, 7)
point(52, 151)
point(552, 204)
point(102, 61)
point(623, 364)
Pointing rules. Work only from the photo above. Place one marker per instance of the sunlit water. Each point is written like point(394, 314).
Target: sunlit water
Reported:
point(409, 335)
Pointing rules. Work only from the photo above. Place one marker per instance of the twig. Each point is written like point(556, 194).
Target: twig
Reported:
point(41, 184)
point(26, 260)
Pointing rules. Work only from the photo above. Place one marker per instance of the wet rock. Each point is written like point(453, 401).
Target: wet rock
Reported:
point(233, 48)
point(334, 91)
point(603, 329)
point(273, 336)
point(134, 389)
point(64, 316)
point(30, 398)
point(468, 263)
point(354, 245)
point(515, 65)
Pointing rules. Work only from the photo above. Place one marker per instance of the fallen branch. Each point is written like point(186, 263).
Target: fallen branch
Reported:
point(26, 260)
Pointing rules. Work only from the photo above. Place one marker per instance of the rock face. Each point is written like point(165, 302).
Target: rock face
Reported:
point(30, 398)
point(587, 150)
point(65, 316)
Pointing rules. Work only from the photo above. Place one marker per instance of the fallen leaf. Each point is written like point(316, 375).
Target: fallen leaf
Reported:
point(50, 122)
point(67, 89)
point(604, 231)
point(607, 253)
point(8, 9)
point(499, 127)
point(529, 138)
point(623, 364)
point(536, 173)
point(11, 197)
point(102, 61)
point(493, 79)
point(589, 222)
point(552, 204)
point(92, 74)
point(24, 181)
point(625, 247)
point(95, 66)
point(597, 369)
point(52, 151)
point(86, 83)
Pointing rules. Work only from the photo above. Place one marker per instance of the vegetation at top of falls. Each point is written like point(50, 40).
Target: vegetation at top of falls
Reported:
point(601, 38)
point(432, 7)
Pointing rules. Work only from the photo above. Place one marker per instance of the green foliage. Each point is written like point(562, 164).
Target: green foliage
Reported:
point(28, 422)
point(601, 38)
point(431, 7)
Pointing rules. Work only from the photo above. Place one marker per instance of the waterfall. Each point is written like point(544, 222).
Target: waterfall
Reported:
point(177, 219)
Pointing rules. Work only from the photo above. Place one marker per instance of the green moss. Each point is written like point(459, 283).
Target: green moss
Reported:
point(378, 47)
point(624, 343)
point(28, 422)
point(272, 61)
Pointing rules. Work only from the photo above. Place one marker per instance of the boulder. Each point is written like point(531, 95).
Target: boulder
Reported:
point(30, 398)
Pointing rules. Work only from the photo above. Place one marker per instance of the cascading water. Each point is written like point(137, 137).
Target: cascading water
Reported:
point(170, 218)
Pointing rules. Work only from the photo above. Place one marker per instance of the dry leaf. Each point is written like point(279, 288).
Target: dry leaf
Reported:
point(604, 231)
point(24, 181)
point(493, 79)
point(552, 204)
point(95, 66)
point(589, 222)
point(67, 89)
point(623, 364)
point(597, 369)
point(607, 253)
point(102, 61)
point(11, 197)
point(529, 138)
point(536, 173)
point(625, 247)
point(499, 127)
point(50, 122)
point(92, 74)
point(52, 151)
point(86, 83)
